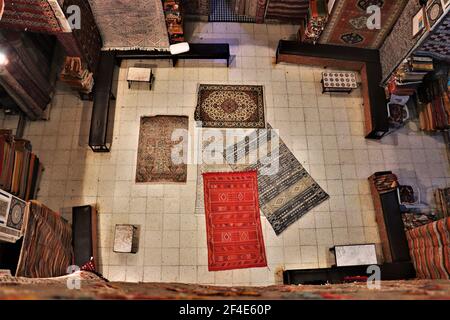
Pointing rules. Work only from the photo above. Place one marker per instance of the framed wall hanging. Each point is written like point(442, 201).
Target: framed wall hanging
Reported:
point(434, 12)
point(418, 23)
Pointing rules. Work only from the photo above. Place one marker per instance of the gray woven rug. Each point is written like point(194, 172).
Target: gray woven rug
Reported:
point(131, 25)
point(286, 191)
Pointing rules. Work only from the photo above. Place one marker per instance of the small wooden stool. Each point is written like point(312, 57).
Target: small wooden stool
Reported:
point(125, 238)
point(140, 75)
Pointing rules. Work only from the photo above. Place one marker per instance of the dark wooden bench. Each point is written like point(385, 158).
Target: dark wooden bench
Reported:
point(84, 235)
point(100, 136)
point(102, 121)
point(389, 221)
point(338, 275)
point(366, 61)
point(217, 51)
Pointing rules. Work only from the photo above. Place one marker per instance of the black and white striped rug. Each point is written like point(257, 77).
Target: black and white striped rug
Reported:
point(221, 11)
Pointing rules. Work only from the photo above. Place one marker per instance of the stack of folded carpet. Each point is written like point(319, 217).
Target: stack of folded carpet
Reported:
point(287, 10)
point(402, 88)
point(434, 106)
point(77, 76)
point(429, 247)
point(385, 182)
point(413, 220)
point(442, 197)
point(410, 75)
point(47, 244)
point(20, 169)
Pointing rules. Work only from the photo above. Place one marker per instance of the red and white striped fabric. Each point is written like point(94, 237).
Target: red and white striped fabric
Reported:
point(429, 247)
point(287, 9)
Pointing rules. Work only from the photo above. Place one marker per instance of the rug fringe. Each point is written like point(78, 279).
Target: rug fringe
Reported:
point(135, 48)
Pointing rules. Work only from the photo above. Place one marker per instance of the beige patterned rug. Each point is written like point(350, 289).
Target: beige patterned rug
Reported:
point(157, 148)
point(230, 106)
point(131, 24)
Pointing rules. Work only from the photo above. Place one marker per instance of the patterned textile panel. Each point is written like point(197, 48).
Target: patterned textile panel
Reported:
point(348, 23)
point(292, 10)
point(33, 15)
point(400, 40)
point(437, 44)
point(47, 244)
point(87, 39)
point(430, 249)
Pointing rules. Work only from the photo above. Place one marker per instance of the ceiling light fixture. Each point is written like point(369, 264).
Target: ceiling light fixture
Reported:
point(3, 59)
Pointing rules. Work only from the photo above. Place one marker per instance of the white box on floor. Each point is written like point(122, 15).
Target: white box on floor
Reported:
point(125, 238)
point(356, 255)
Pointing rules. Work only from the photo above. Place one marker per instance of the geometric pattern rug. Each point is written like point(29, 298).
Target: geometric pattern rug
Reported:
point(157, 146)
point(234, 233)
point(44, 16)
point(131, 25)
point(348, 25)
point(230, 106)
point(286, 190)
point(47, 244)
point(437, 44)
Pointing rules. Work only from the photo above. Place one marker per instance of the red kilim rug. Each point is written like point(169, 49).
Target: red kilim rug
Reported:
point(233, 226)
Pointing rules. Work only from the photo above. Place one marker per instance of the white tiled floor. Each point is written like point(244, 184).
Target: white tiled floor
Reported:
point(325, 132)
